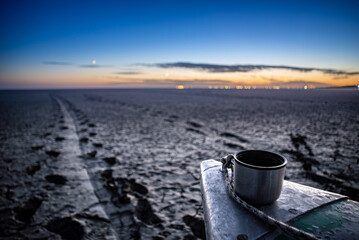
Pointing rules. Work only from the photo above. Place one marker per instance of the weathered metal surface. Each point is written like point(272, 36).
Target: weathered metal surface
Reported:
point(225, 219)
point(338, 220)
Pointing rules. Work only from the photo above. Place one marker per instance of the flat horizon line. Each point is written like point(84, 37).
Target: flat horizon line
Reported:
point(174, 88)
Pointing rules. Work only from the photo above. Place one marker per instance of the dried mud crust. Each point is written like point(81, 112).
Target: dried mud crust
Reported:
point(125, 164)
point(45, 190)
point(131, 204)
point(322, 148)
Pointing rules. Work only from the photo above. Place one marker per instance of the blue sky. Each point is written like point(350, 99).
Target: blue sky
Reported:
point(120, 34)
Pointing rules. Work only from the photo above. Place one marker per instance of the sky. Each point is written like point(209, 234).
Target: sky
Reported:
point(114, 44)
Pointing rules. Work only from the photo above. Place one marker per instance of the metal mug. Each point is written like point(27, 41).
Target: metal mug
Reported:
point(258, 175)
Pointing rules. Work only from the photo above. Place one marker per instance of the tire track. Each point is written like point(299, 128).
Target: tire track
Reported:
point(71, 151)
point(123, 200)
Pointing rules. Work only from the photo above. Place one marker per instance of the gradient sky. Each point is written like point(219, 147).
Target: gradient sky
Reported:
point(50, 44)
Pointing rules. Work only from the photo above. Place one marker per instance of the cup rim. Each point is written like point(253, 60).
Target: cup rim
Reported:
point(261, 167)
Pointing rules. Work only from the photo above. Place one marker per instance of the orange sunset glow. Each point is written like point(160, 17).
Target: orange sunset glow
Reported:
point(157, 77)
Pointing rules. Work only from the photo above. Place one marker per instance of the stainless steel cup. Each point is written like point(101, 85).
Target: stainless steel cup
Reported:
point(258, 176)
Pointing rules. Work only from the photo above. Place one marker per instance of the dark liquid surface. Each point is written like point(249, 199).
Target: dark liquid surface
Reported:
point(260, 159)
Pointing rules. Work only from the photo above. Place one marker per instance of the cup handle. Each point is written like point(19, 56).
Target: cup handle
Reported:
point(227, 161)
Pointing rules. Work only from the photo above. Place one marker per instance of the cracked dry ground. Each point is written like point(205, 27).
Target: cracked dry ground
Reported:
point(61, 179)
point(124, 164)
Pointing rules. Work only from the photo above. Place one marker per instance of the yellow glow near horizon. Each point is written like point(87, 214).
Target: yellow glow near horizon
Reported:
point(152, 77)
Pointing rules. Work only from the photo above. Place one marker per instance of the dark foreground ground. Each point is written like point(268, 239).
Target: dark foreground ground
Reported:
point(124, 164)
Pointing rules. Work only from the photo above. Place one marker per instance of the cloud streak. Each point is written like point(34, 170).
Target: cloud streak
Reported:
point(127, 73)
point(188, 82)
point(93, 66)
point(215, 68)
point(172, 82)
point(297, 83)
point(57, 63)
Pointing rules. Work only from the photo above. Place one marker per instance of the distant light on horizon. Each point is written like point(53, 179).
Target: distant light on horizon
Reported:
point(179, 87)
